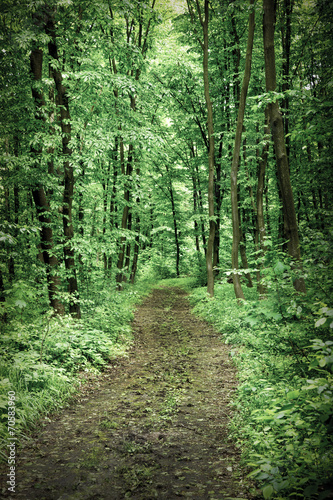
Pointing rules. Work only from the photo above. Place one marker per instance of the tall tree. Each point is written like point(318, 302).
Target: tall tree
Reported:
point(204, 21)
point(42, 204)
point(235, 159)
point(62, 101)
point(276, 124)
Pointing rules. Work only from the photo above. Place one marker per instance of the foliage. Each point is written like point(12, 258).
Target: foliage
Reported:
point(135, 172)
point(43, 355)
point(284, 403)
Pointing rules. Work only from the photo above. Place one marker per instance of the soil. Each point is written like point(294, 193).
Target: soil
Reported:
point(155, 425)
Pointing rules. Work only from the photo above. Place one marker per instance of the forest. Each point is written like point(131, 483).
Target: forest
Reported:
point(185, 141)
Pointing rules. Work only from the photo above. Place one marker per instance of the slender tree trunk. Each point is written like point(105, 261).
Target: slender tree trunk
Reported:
point(65, 124)
point(200, 205)
point(286, 45)
point(242, 251)
point(121, 276)
point(204, 21)
point(175, 226)
point(128, 248)
point(105, 185)
point(235, 160)
point(261, 229)
point(136, 248)
point(242, 238)
point(210, 245)
point(41, 203)
point(218, 201)
point(276, 123)
point(195, 208)
point(262, 161)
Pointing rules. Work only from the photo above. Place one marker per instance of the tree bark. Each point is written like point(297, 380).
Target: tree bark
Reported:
point(286, 45)
point(41, 203)
point(175, 225)
point(276, 123)
point(121, 276)
point(261, 229)
point(235, 160)
point(65, 124)
point(204, 45)
point(195, 208)
point(136, 248)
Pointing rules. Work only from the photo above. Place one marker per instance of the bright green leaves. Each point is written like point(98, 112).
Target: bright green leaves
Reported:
point(324, 354)
point(268, 491)
point(279, 268)
point(285, 393)
point(326, 314)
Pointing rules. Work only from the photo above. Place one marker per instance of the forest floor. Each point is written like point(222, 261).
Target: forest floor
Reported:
point(154, 425)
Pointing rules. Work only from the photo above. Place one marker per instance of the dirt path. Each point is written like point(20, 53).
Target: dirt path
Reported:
point(154, 427)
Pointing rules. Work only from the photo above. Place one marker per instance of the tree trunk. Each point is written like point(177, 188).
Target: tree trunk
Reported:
point(210, 127)
point(262, 160)
point(195, 208)
point(121, 276)
point(136, 248)
point(261, 230)
point(286, 45)
point(65, 124)
point(218, 201)
point(235, 160)
point(200, 204)
point(41, 203)
point(276, 123)
point(175, 226)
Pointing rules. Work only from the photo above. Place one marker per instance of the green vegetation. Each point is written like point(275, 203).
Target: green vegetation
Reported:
point(44, 357)
point(191, 140)
point(283, 349)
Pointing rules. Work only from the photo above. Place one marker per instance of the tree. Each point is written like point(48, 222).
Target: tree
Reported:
point(276, 124)
point(204, 21)
point(235, 160)
point(42, 205)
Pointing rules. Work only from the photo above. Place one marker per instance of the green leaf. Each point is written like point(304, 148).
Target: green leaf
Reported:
point(268, 491)
point(20, 303)
point(320, 322)
point(310, 490)
point(292, 394)
point(279, 267)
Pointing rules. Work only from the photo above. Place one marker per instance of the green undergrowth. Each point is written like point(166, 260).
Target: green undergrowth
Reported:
point(44, 356)
point(282, 347)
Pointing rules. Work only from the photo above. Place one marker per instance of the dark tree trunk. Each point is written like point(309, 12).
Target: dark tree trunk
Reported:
point(218, 203)
point(65, 124)
point(276, 123)
point(261, 229)
point(41, 203)
point(286, 45)
point(136, 249)
point(121, 276)
point(195, 209)
point(235, 160)
point(175, 226)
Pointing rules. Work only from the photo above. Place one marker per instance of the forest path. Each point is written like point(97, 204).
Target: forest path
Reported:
point(154, 427)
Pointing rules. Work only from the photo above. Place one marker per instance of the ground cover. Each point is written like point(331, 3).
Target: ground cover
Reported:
point(282, 347)
point(155, 425)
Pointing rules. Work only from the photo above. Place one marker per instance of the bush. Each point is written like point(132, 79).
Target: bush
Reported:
point(284, 411)
point(42, 354)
